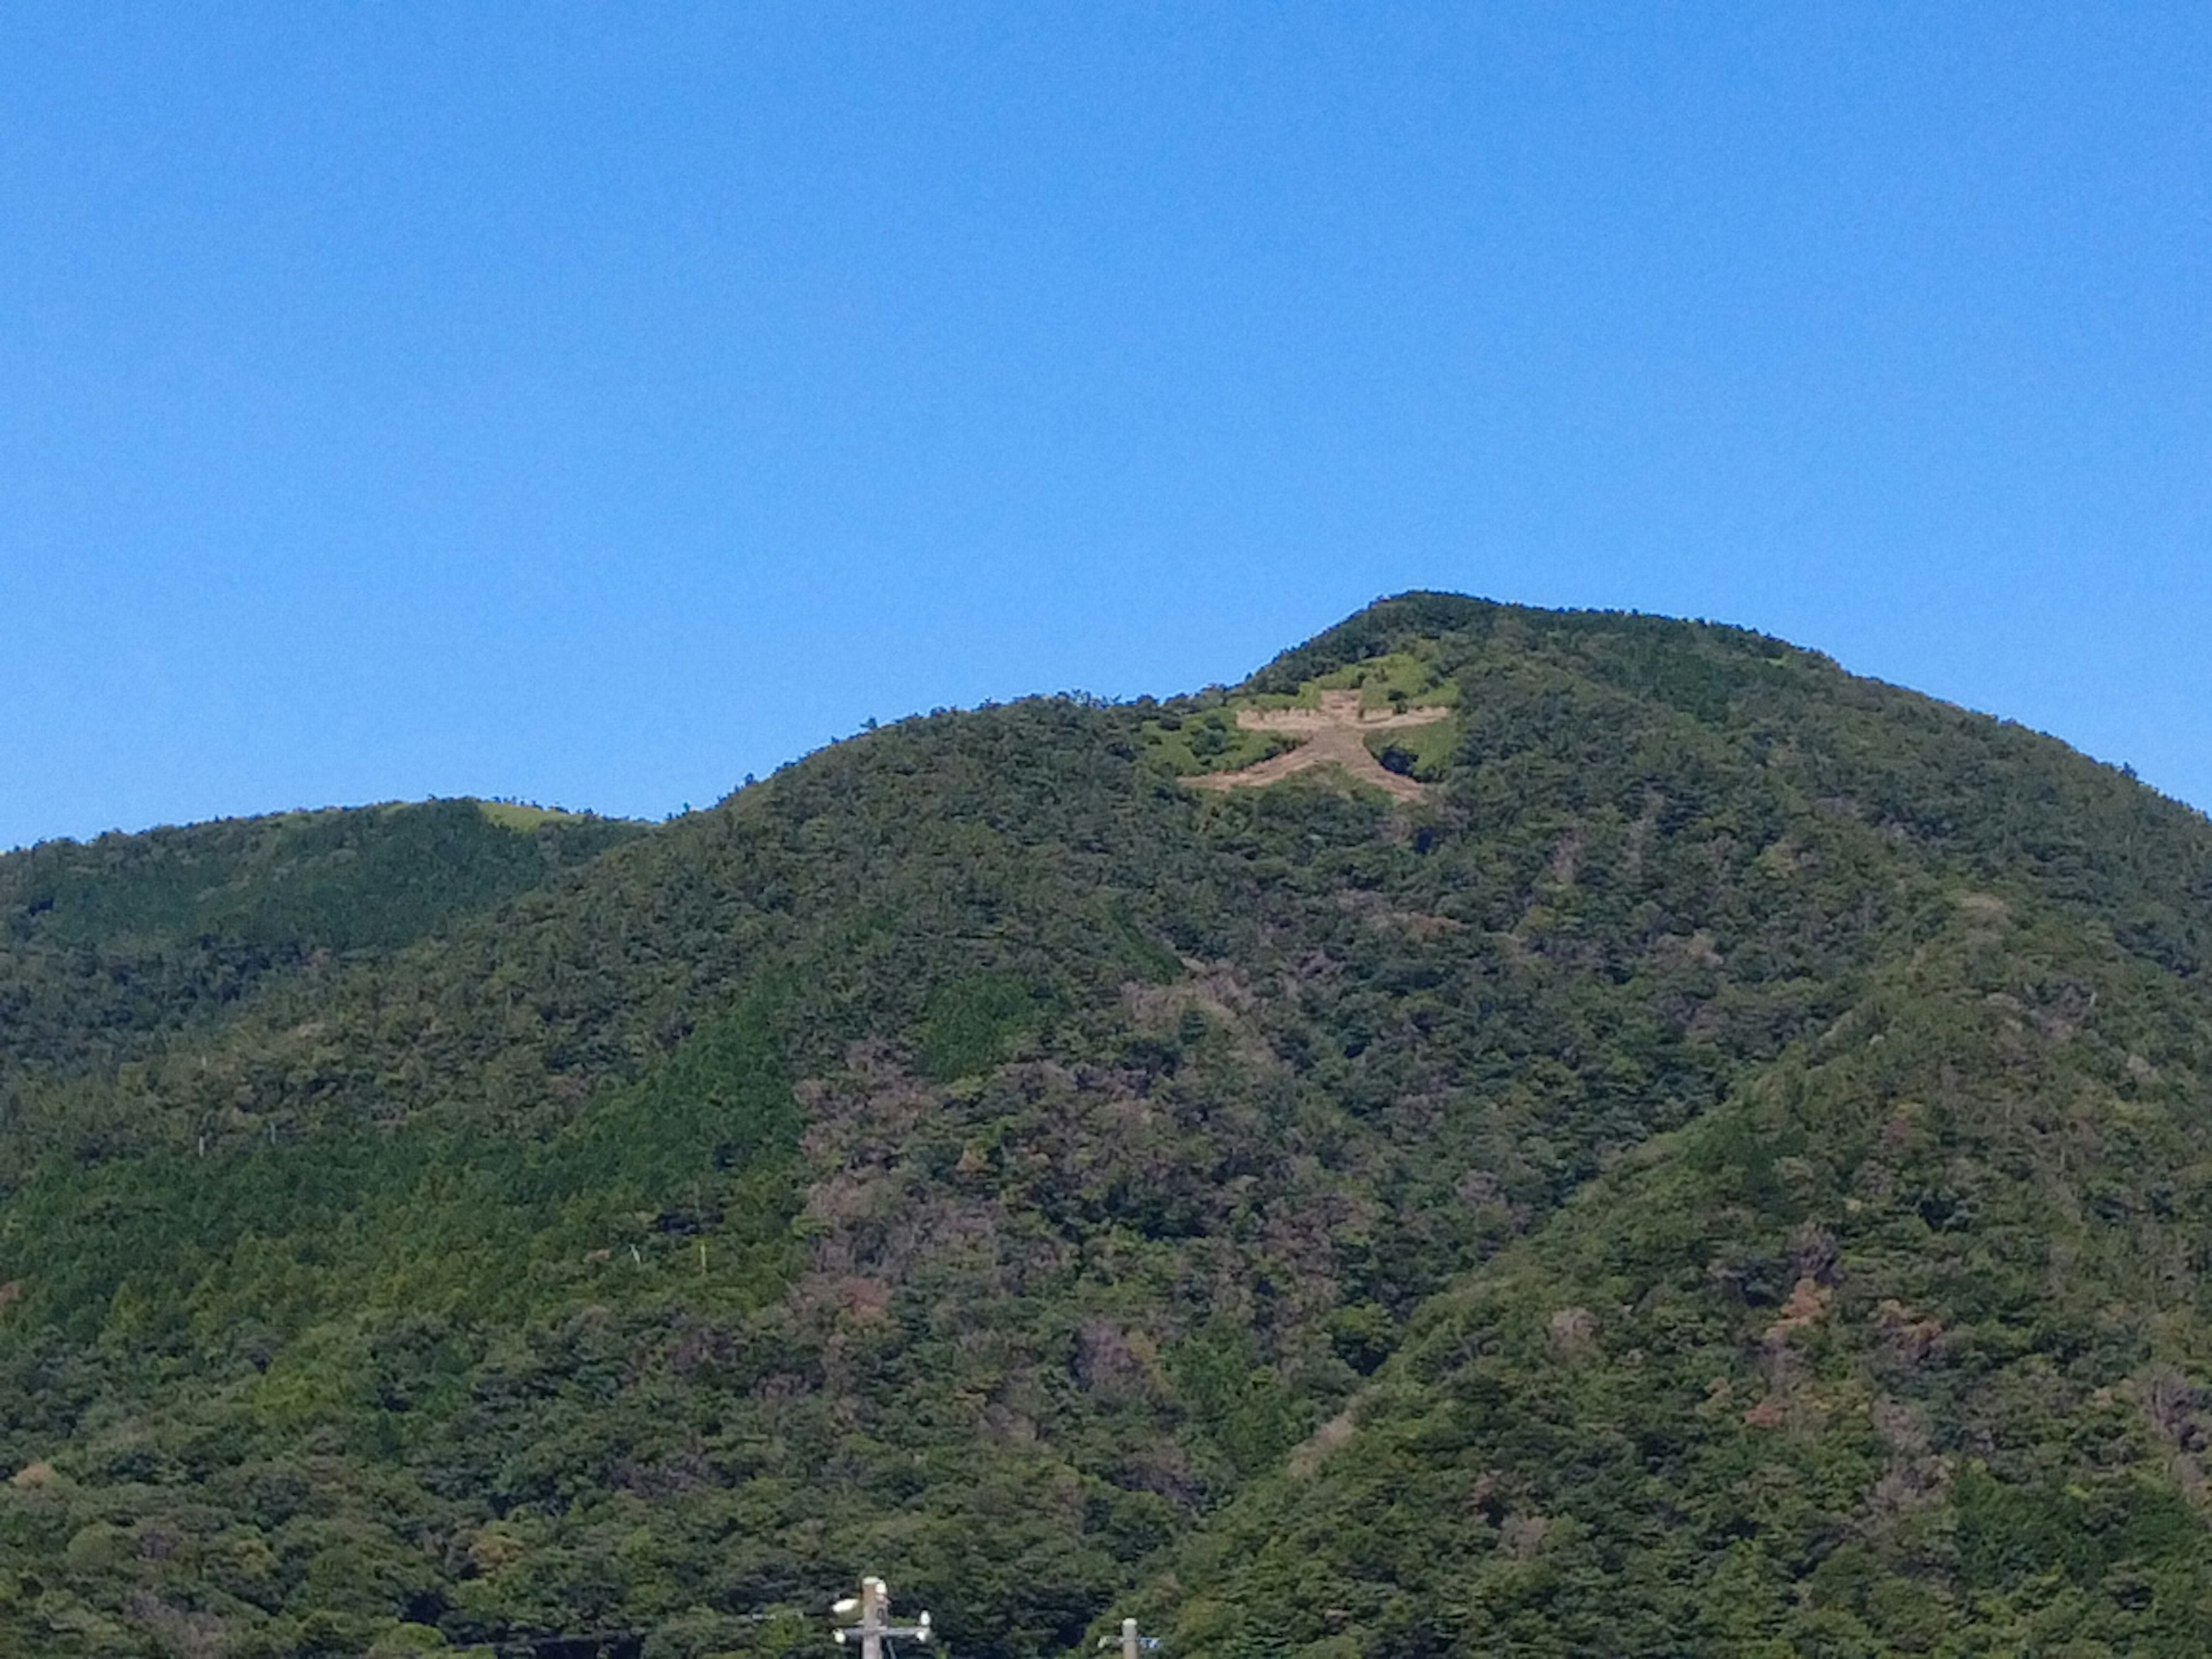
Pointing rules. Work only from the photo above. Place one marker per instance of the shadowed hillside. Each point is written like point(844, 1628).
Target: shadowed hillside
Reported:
point(1723, 1167)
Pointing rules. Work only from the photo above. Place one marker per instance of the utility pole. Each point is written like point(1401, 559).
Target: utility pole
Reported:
point(1132, 1645)
point(873, 1605)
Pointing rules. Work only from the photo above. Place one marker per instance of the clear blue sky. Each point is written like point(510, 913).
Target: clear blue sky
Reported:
point(596, 404)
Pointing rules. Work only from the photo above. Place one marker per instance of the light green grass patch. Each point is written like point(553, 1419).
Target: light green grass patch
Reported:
point(1210, 740)
point(1433, 747)
point(1404, 678)
point(521, 818)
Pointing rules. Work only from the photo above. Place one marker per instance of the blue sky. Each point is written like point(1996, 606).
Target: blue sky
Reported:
point(598, 404)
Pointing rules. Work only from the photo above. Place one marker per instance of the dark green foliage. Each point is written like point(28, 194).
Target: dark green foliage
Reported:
point(1850, 1363)
point(1726, 1173)
point(971, 1024)
point(111, 943)
point(337, 880)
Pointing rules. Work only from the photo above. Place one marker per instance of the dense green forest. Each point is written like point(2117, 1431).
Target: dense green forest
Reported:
point(1728, 1171)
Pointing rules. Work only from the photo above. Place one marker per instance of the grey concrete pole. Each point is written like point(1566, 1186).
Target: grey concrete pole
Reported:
point(874, 1605)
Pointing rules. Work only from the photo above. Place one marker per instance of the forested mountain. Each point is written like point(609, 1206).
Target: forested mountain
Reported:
point(1723, 1166)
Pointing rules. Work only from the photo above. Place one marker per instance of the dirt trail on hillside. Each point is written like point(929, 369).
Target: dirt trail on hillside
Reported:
point(1335, 734)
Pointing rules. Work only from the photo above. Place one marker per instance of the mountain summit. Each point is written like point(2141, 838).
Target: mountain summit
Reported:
point(1508, 1132)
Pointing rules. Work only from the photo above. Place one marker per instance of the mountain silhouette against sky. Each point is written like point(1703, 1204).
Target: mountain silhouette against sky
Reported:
point(1508, 1132)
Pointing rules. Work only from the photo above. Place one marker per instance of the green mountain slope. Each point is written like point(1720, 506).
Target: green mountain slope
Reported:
point(1892, 1352)
point(113, 942)
point(1716, 1169)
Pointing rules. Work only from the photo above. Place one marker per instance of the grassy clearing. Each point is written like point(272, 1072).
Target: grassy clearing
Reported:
point(1189, 741)
point(1209, 740)
point(523, 818)
point(1404, 678)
